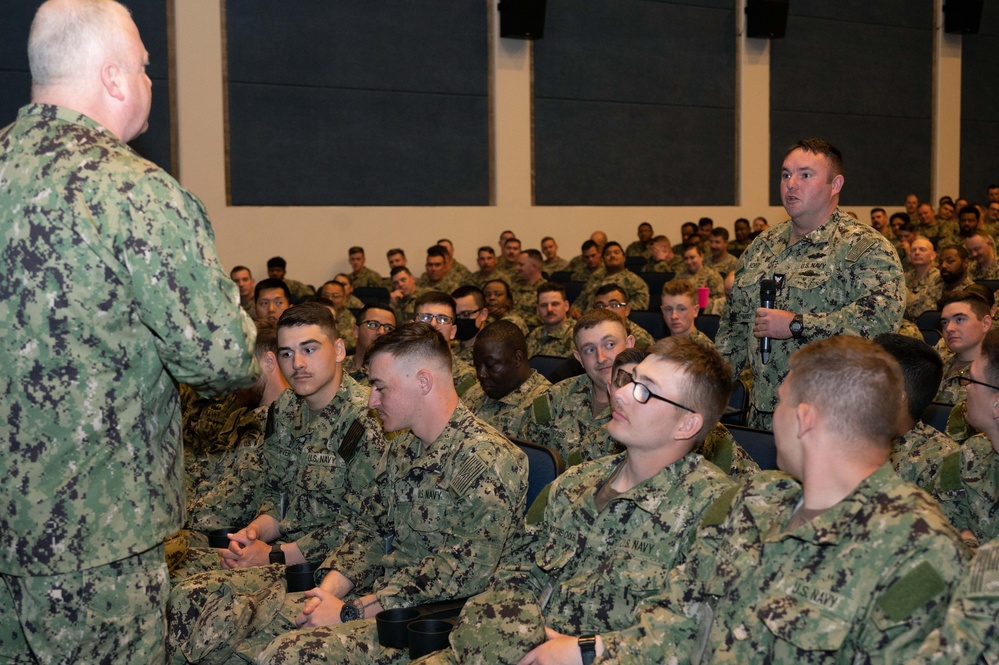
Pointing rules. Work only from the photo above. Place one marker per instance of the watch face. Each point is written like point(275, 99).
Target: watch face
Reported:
point(348, 613)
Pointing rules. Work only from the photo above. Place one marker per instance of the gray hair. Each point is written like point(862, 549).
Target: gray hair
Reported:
point(68, 36)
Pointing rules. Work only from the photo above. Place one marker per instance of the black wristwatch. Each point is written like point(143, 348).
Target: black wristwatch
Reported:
point(797, 326)
point(349, 612)
point(277, 554)
point(588, 648)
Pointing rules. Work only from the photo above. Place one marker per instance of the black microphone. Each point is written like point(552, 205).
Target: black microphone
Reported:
point(768, 292)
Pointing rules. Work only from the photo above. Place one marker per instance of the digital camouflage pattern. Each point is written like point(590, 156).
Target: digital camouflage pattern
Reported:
point(299, 291)
point(448, 283)
point(406, 309)
point(967, 488)
point(580, 571)
point(558, 342)
point(869, 576)
point(366, 277)
point(970, 632)
point(561, 417)
point(633, 285)
point(674, 265)
point(722, 266)
point(525, 302)
point(922, 293)
point(700, 337)
point(510, 413)
point(552, 267)
point(643, 338)
point(452, 505)
point(580, 273)
point(917, 455)
point(639, 248)
point(345, 323)
point(976, 271)
point(844, 278)
point(513, 318)
point(112, 294)
point(951, 391)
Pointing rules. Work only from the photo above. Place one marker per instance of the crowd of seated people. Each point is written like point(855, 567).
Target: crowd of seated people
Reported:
point(391, 471)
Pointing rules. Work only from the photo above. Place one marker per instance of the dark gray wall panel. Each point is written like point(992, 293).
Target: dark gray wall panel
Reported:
point(327, 146)
point(634, 103)
point(860, 72)
point(380, 103)
point(883, 160)
point(15, 80)
point(980, 108)
point(633, 154)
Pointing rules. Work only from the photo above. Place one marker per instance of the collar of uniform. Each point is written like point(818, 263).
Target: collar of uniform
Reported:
point(52, 112)
point(829, 527)
point(779, 237)
point(649, 494)
point(513, 398)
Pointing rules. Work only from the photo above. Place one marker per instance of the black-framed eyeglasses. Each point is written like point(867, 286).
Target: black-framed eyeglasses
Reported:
point(964, 380)
point(641, 392)
point(611, 305)
point(442, 319)
point(470, 314)
point(371, 324)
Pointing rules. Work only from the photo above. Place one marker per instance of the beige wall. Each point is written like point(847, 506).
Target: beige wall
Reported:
point(314, 240)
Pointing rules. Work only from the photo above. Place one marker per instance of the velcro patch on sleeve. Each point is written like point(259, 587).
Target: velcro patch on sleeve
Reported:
point(859, 249)
point(949, 475)
point(348, 446)
point(465, 384)
point(715, 515)
point(469, 472)
point(912, 592)
point(542, 410)
point(536, 513)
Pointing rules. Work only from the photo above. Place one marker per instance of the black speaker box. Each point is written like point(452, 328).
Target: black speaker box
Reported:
point(963, 17)
point(522, 19)
point(766, 18)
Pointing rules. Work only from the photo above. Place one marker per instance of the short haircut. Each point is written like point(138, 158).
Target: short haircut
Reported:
point(551, 287)
point(961, 250)
point(705, 221)
point(661, 239)
point(310, 314)
point(720, 232)
point(645, 224)
point(985, 292)
point(66, 38)
point(534, 255)
point(509, 240)
point(611, 287)
point(399, 269)
point(332, 282)
point(708, 379)
point(271, 283)
point(588, 245)
point(487, 249)
point(350, 280)
point(907, 227)
point(899, 215)
point(436, 298)
point(741, 220)
point(695, 246)
point(970, 210)
point(276, 262)
point(506, 286)
point(505, 332)
point(851, 380)
point(980, 233)
point(990, 356)
point(466, 290)
point(413, 340)
point(437, 250)
point(922, 369)
point(874, 210)
point(322, 301)
point(237, 269)
point(680, 287)
point(381, 306)
point(394, 251)
point(546, 239)
point(356, 249)
point(976, 301)
point(595, 317)
point(266, 338)
point(612, 243)
point(632, 355)
point(689, 225)
point(818, 146)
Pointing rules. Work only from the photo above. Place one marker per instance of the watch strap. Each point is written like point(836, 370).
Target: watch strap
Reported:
point(277, 554)
point(588, 648)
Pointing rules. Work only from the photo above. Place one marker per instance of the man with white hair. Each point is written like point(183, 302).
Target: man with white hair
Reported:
point(113, 294)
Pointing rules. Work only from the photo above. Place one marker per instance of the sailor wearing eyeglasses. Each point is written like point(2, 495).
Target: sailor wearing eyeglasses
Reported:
point(439, 310)
point(372, 322)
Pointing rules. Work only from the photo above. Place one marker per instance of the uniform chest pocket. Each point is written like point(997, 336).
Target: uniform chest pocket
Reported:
point(801, 626)
point(323, 474)
point(556, 553)
point(809, 278)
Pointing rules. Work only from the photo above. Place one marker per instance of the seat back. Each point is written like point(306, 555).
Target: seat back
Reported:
point(936, 415)
point(543, 466)
point(370, 295)
point(708, 324)
point(651, 321)
point(758, 443)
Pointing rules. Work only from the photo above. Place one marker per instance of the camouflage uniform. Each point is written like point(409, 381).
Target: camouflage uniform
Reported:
point(359, 375)
point(513, 318)
point(540, 342)
point(580, 273)
point(843, 278)
point(366, 277)
point(969, 634)
point(643, 338)
point(552, 267)
point(634, 286)
point(509, 413)
point(299, 291)
point(922, 293)
point(975, 271)
point(952, 392)
point(317, 471)
point(868, 576)
point(716, 288)
point(916, 455)
point(464, 375)
point(639, 248)
point(345, 323)
point(111, 294)
point(353, 302)
point(674, 266)
point(583, 571)
point(462, 273)
point(967, 488)
point(562, 416)
point(446, 284)
point(525, 302)
point(452, 504)
point(699, 337)
point(722, 266)
point(479, 279)
point(406, 309)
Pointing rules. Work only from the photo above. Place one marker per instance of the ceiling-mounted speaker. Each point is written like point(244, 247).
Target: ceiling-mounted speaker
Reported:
point(522, 19)
point(766, 18)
